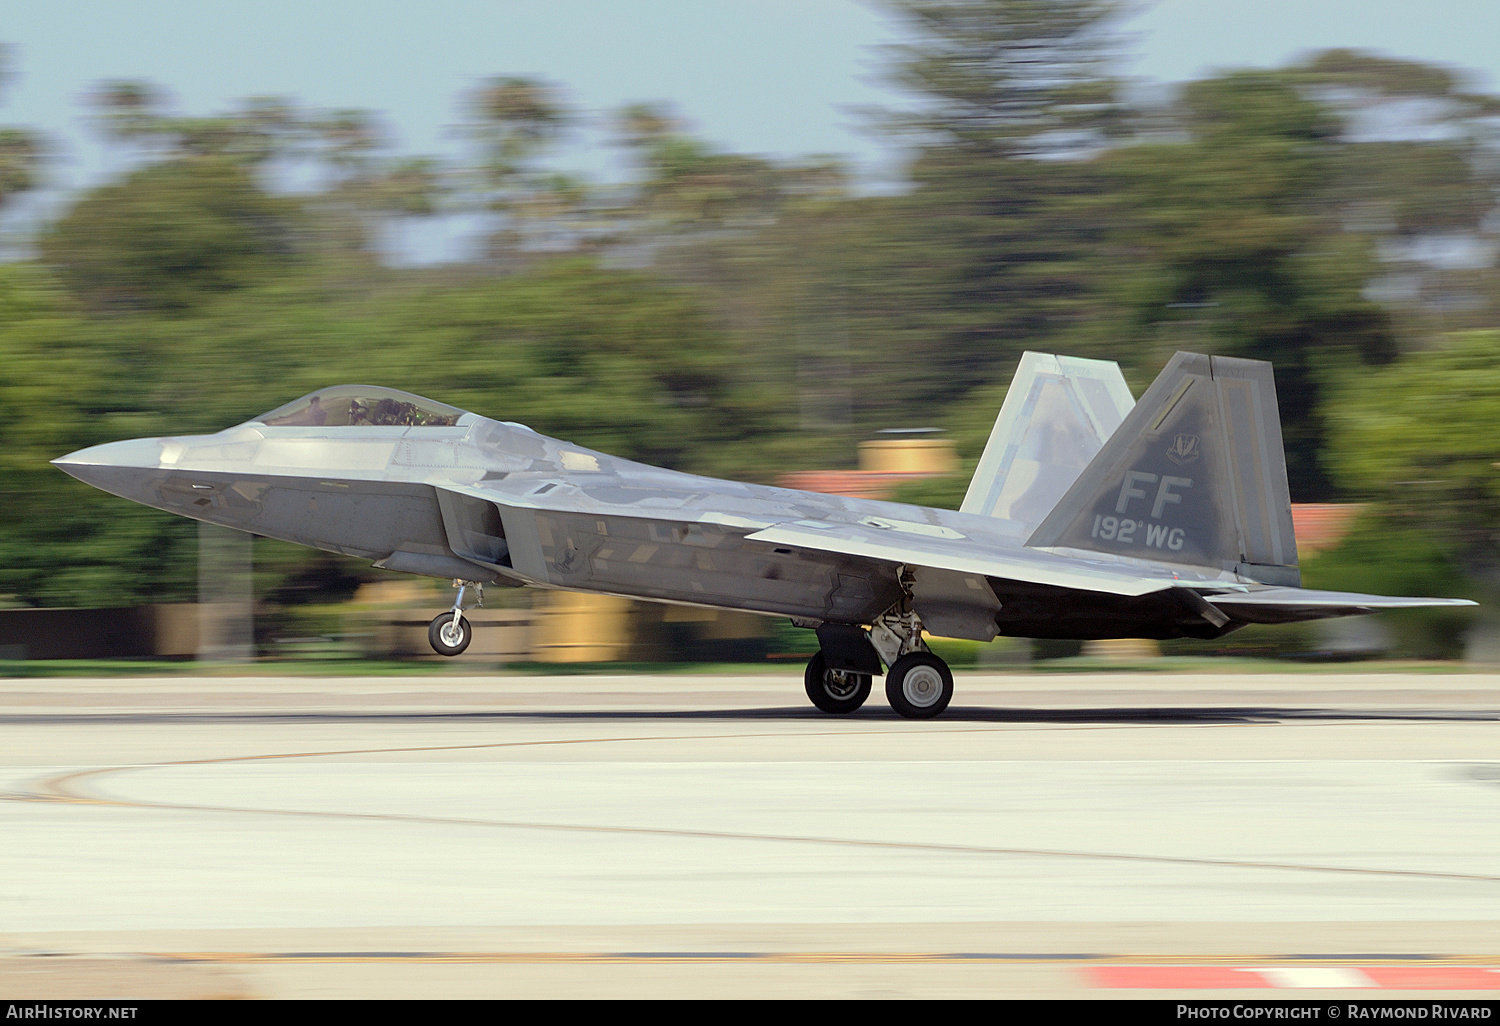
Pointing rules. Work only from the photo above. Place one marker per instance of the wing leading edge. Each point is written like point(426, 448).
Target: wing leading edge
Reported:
point(967, 556)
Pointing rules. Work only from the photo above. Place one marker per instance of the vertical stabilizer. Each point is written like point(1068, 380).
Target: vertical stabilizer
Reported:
point(1195, 475)
point(1058, 414)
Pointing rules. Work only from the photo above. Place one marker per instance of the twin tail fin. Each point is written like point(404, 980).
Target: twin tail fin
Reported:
point(1058, 414)
point(1194, 475)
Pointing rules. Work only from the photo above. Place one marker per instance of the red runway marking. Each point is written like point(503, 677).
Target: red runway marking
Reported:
point(1175, 977)
point(1374, 977)
point(1433, 977)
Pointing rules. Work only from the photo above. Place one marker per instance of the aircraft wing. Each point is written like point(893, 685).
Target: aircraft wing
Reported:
point(938, 551)
point(1286, 605)
point(944, 549)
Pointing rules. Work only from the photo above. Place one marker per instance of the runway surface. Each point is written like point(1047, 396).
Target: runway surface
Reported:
point(676, 836)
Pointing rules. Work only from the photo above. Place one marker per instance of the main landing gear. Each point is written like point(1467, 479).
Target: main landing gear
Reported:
point(449, 633)
point(835, 691)
point(918, 684)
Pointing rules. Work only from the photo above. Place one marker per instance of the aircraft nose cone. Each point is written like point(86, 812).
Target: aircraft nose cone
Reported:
point(117, 467)
point(139, 453)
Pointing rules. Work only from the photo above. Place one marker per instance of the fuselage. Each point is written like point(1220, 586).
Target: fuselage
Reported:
point(463, 496)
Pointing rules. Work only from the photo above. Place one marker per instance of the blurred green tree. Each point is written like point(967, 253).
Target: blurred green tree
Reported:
point(1417, 172)
point(1285, 213)
point(1415, 437)
point(1387, 553)
point(1228, 240)
point(885, 310)
point(63, 545)
point(1008, 78)
point(361, 194)
point(992, 250)
point(366, 195)
point(171, 234)
point(532, 213)
point(22, 151)
point(129, 109)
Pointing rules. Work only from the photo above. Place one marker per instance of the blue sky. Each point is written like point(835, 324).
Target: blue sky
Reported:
point(777, 77)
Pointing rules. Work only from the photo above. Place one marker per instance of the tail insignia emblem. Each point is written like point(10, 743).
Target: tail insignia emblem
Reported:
point(1184, 449)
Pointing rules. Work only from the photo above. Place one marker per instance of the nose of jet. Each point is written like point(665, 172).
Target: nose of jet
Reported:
point(121, 468)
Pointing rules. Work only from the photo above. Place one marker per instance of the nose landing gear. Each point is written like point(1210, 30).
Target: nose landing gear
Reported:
point(449, 633)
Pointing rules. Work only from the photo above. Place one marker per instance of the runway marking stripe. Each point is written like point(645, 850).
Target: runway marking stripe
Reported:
point(606, 956)
point(1314, 976)
point(1368, 977)
point(1187, 974)
point(59, 787)
point(573, 956)
point(65, 787)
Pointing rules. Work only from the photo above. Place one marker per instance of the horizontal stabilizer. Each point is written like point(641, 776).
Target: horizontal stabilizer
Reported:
point(1288, 605)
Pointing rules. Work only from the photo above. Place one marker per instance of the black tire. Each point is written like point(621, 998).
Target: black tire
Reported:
point(439, 644)
point(919, 686)
point(835, 691)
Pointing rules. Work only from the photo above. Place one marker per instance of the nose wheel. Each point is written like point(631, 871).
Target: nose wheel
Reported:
point(449, 633)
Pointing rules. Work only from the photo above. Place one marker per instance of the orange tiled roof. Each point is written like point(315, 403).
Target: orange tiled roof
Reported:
point(1322, 525)
point(857, 484)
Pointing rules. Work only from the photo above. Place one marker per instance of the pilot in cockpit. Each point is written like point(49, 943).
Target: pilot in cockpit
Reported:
point(312, 415)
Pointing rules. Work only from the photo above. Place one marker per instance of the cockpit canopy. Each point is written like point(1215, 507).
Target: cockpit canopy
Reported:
point(362, 406)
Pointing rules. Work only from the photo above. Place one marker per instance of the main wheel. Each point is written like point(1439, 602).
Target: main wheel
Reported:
point(835, 691)
point(919, 686)
point(449, 634)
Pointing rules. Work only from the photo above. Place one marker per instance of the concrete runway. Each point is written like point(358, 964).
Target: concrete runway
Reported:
point(679, 836)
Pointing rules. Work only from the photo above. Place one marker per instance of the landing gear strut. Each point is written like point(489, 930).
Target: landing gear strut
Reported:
point(918, 684)
point(449, 633)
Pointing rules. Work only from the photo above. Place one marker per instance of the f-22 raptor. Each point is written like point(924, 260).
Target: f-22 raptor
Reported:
point(1089, 516)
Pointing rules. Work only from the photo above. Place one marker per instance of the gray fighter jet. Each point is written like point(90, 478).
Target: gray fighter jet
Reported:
point(1089, 516)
